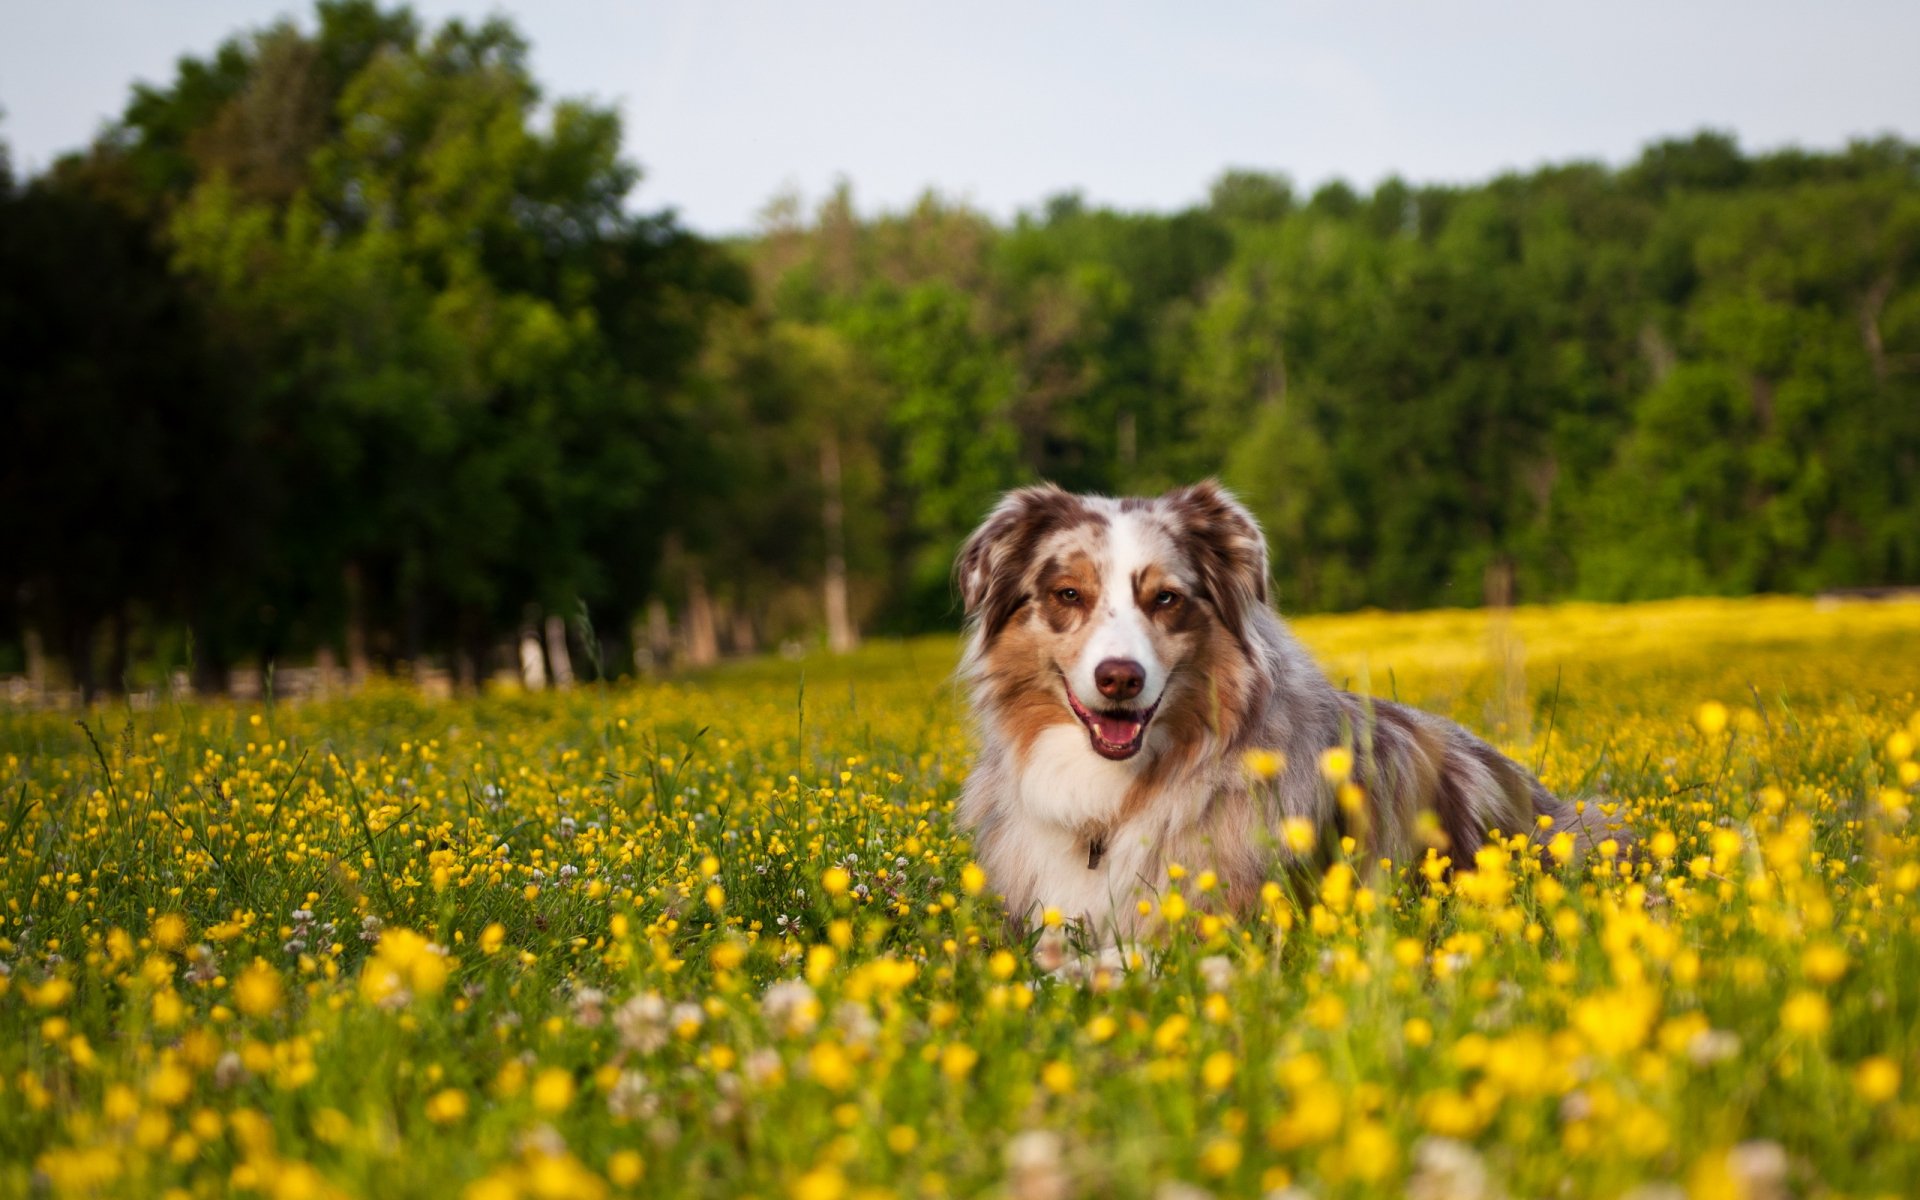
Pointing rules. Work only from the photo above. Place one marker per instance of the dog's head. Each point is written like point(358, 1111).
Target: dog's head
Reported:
point(1101, 610)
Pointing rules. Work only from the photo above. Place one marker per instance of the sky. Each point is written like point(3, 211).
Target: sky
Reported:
point(728, 103)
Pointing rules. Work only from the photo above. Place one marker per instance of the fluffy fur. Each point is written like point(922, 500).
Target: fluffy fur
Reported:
point(1123, 659)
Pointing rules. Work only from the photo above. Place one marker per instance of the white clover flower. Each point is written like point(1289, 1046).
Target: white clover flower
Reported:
point(642, 1022)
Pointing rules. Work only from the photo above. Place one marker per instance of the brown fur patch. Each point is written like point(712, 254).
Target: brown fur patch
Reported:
point(1076, 572)
point(992, 565)
point(1021, 686)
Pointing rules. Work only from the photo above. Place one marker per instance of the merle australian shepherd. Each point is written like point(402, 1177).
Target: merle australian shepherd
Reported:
point(1123, 661)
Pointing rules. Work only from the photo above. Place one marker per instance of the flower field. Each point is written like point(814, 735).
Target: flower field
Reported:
point(718, 936)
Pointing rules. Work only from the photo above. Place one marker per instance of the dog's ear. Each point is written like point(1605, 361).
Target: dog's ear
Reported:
point(1229, 551)
point(991, 564)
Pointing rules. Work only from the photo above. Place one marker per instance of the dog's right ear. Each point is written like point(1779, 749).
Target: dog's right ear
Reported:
point(1230, 552)
point(993, 560)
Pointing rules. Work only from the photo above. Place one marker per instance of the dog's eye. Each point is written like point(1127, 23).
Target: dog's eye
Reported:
point(1166, 599)
point(1068, 595)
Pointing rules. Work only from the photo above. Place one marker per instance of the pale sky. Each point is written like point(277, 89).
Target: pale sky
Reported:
point(727, 103)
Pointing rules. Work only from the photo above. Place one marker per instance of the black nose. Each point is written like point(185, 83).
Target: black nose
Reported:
point(1119, 678)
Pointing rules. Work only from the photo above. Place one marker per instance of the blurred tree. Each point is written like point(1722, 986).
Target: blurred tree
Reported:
point(105, 390)
point(345, 335)
point(1253, 196)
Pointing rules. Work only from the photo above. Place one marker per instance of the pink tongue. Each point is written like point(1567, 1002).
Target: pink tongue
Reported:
point(1115, 731)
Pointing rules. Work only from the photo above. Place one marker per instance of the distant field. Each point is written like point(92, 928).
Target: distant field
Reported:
point(718, 936)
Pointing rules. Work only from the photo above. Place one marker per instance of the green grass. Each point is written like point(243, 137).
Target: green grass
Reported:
point(714, 936)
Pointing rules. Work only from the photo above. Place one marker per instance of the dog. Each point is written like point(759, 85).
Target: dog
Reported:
point(1125, 667)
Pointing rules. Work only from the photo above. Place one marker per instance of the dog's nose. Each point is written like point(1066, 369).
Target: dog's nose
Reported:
point(1119, 678)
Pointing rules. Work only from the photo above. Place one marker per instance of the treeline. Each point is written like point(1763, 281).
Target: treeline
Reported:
point(346, 344)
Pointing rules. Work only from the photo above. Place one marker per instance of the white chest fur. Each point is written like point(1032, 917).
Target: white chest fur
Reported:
point(1066, 794)
point(1063, 782)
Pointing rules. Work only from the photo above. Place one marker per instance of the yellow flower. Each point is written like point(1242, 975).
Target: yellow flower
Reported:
point(447, 1106)
point(1806, 1014)
point(258, 991)
point(957, 1060)
point(972, 879)
point(170, 1085)
point(830, 1066)
point(1217, 1072)
point(553, 1091)
point(1711, 718)
point(1823, 962)
point(1877, 1079)
point(170, 931)
point(1219, 1157)
point(625, 1168)
point(836, 881)
point(1264, 764)
point(54, 993)
point(404, 965)
point(823, 1183)
point(1336, 764)
point(1370, 1153)
point(1618, 1021)
point(1299, 835)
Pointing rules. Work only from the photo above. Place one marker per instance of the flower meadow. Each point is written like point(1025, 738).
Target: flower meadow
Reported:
point(718, 935)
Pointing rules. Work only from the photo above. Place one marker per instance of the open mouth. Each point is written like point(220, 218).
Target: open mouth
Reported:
point(1116, 733)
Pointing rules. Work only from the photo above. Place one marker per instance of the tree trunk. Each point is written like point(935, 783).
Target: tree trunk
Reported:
point(659, 641)
point(703, 645)
point(1498, 583)
point(643, 653)
point(326, 670)
point(1871, 307)
point(559, 661)
point(80, 648)
point(470, 655)
point(210, 673)
point(358, 664)
point(116, 677)
point(36, 663)
point(841, 635)
point(533, 664)
point(744, 638)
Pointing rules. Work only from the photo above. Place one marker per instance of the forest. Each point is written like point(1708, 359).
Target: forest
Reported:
point(348, 344)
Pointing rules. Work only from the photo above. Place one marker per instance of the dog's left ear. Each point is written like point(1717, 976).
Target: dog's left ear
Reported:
point(1229, 551)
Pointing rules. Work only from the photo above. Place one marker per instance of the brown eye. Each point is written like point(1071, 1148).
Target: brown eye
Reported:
point(1068, 595)
point(1166, 599)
